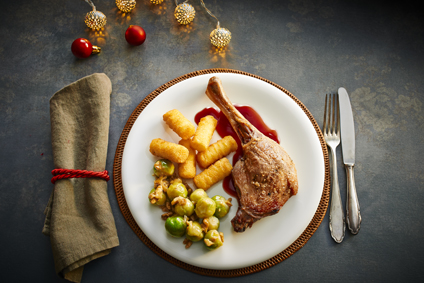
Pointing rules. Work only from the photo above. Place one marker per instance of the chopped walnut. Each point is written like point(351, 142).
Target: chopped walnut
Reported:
point(158, 165)
point(162, 182)
point(189, 189)
point(208, 242)
point(168, 205)
point(194, 217)
point(176, 180)
point(180, 200)
point(187, 243)
point(166, 215)
point(156, 195)
point(205, 225)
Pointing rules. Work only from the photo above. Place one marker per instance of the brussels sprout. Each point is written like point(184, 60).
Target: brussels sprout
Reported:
point(222, 206)
point(213, 239)
point(163, 167)
point(205, 207)
point(157, 196)
point(176, 189)
point(194, 231)
point(211, 223)
point(183, 206)
point(197, 195)
point(176, 226)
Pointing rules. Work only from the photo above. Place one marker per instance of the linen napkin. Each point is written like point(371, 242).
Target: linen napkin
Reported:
point(79, 218)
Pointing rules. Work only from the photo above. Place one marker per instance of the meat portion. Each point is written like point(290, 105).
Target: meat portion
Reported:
point(265, 177)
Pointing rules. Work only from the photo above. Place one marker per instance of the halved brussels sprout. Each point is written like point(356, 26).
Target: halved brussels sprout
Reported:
point(176, 226)
point(197, 195)
point(176, 189)
point(157, 196)
point(213, 239)
point(222, 206)
point(194, 231)
point(163, 167)
point(183, 206)
point(205, 207)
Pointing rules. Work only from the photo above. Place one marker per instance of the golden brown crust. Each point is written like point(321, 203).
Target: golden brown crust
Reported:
point(213, 174)
point(204, 132)
point(216, 151)
point(187, 169)
point(179, 124)
point(172, 151)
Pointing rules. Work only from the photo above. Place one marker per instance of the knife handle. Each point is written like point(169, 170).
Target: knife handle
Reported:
point(353, 214)
point(337, 220)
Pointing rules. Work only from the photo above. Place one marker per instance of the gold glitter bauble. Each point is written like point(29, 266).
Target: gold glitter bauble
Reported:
point(156, 1)
point(125, 5)
point(95, 19)
point(184, 13)
point(220, 37)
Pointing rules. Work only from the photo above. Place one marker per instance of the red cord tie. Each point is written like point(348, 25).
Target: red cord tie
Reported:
point(60, 174)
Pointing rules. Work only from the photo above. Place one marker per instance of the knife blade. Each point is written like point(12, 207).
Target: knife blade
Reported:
point(347, 130)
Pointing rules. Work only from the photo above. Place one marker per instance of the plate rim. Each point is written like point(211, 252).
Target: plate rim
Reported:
point(295, 246)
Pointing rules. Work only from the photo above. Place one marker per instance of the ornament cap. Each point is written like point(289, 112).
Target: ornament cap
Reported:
point(96, 49)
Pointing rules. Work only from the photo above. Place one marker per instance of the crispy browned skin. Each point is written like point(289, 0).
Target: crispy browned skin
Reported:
point(265, 177)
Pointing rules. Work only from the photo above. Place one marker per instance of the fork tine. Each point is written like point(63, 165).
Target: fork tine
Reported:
point(334, 115)
point(325, 115)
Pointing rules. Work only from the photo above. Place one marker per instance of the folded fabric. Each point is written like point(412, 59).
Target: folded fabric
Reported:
point(79, 218)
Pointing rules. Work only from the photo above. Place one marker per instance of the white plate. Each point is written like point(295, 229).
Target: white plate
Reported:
point(267, 237)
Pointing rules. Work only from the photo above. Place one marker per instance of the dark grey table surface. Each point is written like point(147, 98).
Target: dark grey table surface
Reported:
point(372, 48)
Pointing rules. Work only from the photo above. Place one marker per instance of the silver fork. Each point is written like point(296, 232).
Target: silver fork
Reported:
point(331, 131)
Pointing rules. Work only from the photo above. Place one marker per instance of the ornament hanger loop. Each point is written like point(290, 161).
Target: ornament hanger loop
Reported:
point(91, 4)
point(176, 2)
point(209, 12)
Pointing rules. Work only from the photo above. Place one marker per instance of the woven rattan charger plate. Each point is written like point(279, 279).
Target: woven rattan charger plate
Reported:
point(296, 245)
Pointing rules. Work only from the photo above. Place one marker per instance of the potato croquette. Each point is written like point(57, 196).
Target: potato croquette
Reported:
point(179, 124)
point(216, 151)
point(204, 132)
point(187, 169)
point(213, 174)
point(172, 151)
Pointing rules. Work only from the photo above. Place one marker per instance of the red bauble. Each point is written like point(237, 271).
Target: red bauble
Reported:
point(81, 48)
point(135, 35)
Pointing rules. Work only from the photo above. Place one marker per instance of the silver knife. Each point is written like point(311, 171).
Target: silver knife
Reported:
point(347, 129)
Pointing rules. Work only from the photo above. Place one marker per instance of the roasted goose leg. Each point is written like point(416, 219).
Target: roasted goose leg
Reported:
point(265, 177)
